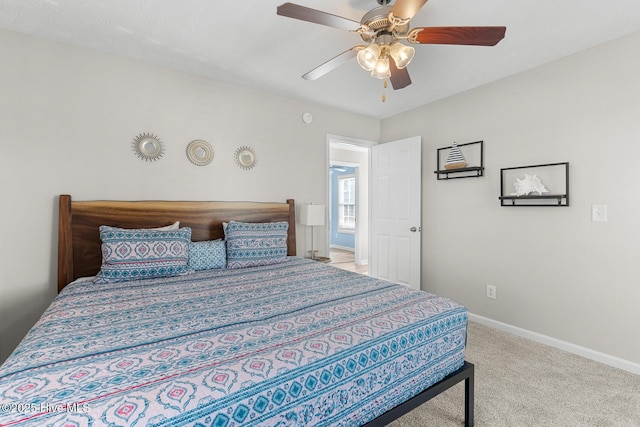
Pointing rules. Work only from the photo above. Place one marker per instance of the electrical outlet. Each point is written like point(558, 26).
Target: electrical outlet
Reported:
point(491, 291)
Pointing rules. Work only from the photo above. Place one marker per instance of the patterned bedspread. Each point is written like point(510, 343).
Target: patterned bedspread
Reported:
point(295, 344)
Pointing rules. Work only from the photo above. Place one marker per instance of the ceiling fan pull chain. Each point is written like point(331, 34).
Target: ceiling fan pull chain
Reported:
point(384, 96)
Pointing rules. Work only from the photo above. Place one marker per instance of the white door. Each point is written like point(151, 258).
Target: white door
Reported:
point(396, 174)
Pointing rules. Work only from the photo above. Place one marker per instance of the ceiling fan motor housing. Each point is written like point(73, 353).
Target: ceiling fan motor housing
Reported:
point(377, 20)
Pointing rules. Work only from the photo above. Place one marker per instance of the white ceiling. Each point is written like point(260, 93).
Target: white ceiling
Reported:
point(245, 43)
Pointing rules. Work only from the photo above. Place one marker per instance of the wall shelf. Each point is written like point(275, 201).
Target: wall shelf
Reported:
point(555, 176)
point(558, 197)
point(475, 153)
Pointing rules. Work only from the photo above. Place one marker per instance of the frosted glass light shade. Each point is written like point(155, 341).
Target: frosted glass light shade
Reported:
point(401, 54)
point(381, 70)
point(312, 214)
point(368, 56)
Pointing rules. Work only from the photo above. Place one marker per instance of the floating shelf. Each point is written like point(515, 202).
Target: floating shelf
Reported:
point(466, 172)
point(558, 178)
point(559, 197)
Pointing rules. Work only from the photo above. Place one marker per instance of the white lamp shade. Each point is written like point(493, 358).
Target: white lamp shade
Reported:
point(312, 214)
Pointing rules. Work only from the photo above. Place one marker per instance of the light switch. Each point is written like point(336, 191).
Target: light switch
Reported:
point(599, 213)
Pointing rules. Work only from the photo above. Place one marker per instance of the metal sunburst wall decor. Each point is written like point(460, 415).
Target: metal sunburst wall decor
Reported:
point(148, 147)
point(199, 152)
point(245, 157)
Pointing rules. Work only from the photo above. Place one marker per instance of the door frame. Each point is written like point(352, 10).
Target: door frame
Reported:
point(358, 144)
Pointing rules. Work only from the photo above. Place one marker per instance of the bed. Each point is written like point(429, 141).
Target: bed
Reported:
point(289, 343)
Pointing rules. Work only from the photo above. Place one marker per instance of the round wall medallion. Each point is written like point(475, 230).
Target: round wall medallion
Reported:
point(148, 147)
point(245, 157)
point(199, 152)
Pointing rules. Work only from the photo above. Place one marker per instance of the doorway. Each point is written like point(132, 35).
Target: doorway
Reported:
point(348, 202)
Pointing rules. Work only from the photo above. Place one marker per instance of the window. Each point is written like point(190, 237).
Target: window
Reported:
point(347, 202)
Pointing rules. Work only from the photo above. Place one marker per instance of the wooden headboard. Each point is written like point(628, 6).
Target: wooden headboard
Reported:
point(79, 245)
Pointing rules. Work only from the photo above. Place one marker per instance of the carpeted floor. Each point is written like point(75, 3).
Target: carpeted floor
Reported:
point(520, 383)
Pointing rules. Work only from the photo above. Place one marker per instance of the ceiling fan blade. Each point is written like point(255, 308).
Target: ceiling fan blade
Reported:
point(399, 77)
point(476, 36)
point(406, 9)
point(333, 63)
point(303, 13)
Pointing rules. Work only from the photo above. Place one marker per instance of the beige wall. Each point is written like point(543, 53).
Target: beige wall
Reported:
point(67, 119)
point(557, 273)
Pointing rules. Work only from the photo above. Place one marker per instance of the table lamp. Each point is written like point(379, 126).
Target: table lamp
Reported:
point(312, 215)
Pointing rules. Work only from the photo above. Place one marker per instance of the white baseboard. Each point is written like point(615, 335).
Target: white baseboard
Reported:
point(607, 359)
point(344, 248)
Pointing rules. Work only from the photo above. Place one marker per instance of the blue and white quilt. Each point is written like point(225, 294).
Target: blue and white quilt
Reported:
point(294, 344)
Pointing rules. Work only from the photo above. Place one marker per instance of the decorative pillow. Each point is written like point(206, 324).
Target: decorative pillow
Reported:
point(207, 255)
point(253, 244)
point(172, 227)
point(142, 254)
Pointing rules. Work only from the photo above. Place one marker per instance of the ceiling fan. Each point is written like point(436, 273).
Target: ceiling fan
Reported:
point(384, 28)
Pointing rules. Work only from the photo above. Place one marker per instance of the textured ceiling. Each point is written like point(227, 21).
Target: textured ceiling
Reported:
point(245, 43)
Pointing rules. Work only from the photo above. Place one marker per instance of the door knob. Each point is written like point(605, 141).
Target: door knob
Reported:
point(414, 229)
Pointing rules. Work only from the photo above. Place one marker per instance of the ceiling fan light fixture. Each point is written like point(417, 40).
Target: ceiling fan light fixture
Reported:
point(368, 57)
point(381, 70)
point(401, 54)
point(387, 32)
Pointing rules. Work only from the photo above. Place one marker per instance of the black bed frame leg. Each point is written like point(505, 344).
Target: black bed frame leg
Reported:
point(466, 373)
point(469, 388)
